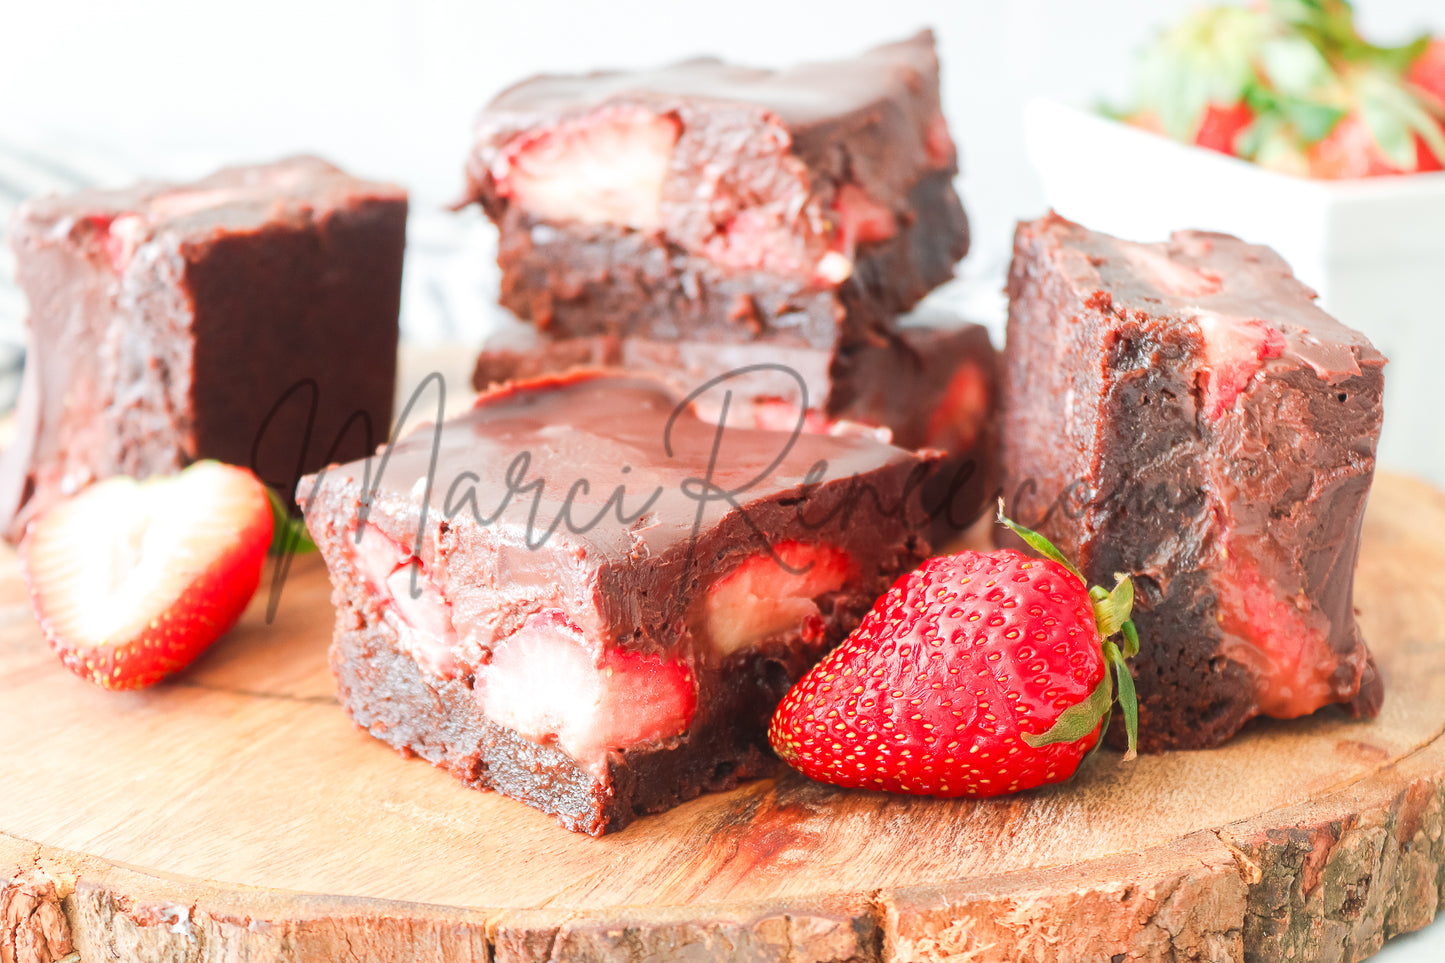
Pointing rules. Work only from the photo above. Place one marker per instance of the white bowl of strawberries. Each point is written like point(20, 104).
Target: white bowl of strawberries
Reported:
point(1280, 124)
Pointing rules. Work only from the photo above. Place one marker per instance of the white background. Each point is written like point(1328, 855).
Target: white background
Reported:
point(388, 89)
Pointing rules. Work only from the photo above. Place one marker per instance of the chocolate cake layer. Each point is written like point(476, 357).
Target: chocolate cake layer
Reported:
point(1185, 413)
point(248, 317)
point(714, 202)
point(933, 383)
point(594, 599)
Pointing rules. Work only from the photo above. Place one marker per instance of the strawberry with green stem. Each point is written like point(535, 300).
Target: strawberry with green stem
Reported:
point(976, 675)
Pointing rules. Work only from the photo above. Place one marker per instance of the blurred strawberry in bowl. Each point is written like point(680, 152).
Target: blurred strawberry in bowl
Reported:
point(1291, 85)
point(1427, 71)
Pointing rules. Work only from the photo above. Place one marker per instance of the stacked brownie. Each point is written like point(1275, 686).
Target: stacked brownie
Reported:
point(707, 201)
point(929, 385)
point(768, 228)
point(709, 446)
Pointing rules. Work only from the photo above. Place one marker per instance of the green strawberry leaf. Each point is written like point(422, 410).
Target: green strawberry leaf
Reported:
point(1272, 142)
point(1397, 60)
point(1079, 719)
point(1038, 543)
point(1112, 611)
point(288, 535)
point(1329, 26)
point(1295, 66)
point(1249, 141)
point(1131, 640)
point(1128, 700)
point(1389, 125)
point(1103, 728)
point(1394, 105)
point(1313, 121)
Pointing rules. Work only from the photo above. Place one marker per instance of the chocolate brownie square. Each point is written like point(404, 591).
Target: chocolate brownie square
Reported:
point(249, 317)
point(580, 594)
point(1183, 412)
point(711, 202)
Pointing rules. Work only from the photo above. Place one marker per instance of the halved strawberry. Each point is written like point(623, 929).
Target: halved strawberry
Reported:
point(132, 580)
point(545, 682)
point(773, 593)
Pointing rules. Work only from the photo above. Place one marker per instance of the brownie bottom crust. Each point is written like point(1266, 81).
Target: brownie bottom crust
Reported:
point(441, 721)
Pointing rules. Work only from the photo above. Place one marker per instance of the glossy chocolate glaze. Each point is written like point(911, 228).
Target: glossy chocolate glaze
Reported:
point(599, 446)
point(908, 384)
point(794, 372)
point(634, 583)
point(167, 320)
point(296, 191)
point(1115, 445)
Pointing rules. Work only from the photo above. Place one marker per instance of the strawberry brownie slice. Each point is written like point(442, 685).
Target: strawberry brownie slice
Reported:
point(1184, 413)
point(714, 202)
point(580, 594)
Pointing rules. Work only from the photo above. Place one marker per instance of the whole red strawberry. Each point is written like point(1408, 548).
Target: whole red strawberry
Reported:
point(1428, 70)
point(976, 675)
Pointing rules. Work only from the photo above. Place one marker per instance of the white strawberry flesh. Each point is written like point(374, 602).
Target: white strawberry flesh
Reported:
point(545, 683)
point(606, 168)
point(421, 620)
point(116, 237)
point(125, 234)
point(1234, 351)
point(131, 580)
point(773, 595)
point(377, 556)
point(775, 414)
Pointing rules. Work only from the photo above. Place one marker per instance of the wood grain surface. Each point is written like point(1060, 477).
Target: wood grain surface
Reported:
point(237, 814)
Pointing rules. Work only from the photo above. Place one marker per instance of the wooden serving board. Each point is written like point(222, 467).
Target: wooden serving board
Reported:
point(237, 814)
